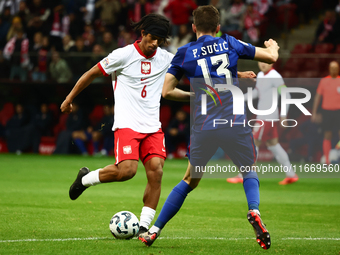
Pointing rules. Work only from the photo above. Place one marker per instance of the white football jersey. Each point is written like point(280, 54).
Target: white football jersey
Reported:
point(137, 83)
point(264, 84)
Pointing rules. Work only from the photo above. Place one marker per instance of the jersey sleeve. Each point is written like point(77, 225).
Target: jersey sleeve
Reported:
point(320, 89)
point(244, 50)
point(177, 63)
point(112, 62)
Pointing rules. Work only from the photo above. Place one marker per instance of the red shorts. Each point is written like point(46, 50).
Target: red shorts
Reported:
point(130, 144)
point(265, 130)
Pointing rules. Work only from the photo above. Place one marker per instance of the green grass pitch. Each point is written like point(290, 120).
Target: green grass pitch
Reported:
point(37, 216)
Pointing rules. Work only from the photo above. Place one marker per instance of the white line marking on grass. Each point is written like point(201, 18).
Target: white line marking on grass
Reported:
point(54, 240)
point(167, 238)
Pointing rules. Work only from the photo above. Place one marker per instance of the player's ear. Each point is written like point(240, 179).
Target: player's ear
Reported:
point(142, 33)
point(194, 28)
point(218, 28)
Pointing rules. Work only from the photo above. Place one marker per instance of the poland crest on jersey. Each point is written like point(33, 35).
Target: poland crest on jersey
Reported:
point(146, 67)
point(127, 149)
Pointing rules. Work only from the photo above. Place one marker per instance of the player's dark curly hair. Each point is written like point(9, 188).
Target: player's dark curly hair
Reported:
point(151, 20)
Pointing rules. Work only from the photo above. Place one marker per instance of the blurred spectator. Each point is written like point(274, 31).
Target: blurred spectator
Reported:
point(19, 131)
point(88, 36)
point(311, 136)
point(58, 27)
point(140, 9)
point(40, 60)
point(12, 5)
point(75, 121)
point(24, 14)
point(5, 24)
point(183, 37)
point(4, 67)
point(251, 21)
point(42, 126)
point(16, 50)
point(180, 13)
point(108, 43)
point(67, 43)
point(178, 131)
point(40, 13)
point(16, 25)
point(261, 6)
point(337, 8)
point(124, 38)
point(232, 18)
point(59, 70)
point(109, 12)
point(79, 61)
point(89, 11)
point(102, 131)
point(328, 29)
point(97, 55)
point(75, 25)
point(329, 91)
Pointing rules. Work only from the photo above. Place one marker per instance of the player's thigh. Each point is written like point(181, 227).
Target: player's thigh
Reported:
point(152, 145)
point(126, 145)
point(79, 134)
point(203, 145)
point(238, 144)
point(128, 167)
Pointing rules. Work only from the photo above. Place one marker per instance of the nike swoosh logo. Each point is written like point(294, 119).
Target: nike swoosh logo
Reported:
point(143, 79)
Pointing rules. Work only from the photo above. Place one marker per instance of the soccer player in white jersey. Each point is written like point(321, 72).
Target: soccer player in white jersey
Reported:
point(138, 71)
point(266, 131)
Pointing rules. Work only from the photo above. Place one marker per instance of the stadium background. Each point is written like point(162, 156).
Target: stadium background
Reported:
point(100, 26)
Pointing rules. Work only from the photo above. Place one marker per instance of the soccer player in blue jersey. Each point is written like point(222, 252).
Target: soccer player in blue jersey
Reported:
point(213, 63)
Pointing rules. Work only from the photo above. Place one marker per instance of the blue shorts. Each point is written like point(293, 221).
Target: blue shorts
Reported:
point(237, 142)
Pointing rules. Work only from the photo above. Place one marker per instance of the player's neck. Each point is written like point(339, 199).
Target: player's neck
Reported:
point(199, 34)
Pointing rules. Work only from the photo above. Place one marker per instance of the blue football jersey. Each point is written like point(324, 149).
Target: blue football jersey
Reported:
point(208, 63)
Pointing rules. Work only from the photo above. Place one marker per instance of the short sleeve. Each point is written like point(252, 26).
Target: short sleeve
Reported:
point(177, 63)
point(244, 50)
point(112, 62)
point(320, 89)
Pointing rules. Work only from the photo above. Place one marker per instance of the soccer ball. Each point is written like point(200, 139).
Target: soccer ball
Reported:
point(124, 225)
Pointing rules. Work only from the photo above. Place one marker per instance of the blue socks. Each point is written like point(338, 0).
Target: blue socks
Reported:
point(251, 188)
point(173, 203)
point(81, 145)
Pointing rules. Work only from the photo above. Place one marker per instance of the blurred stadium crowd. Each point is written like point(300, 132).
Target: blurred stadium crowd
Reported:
point(45, 43)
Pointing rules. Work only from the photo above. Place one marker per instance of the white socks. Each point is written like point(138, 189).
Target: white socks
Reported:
point(146, 217)
point(282, 158)
point(154, 229)
point(91, 179)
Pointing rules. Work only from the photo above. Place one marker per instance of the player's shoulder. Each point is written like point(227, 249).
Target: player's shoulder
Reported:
point(260, 74)
point(123, 52)
point(274, 74)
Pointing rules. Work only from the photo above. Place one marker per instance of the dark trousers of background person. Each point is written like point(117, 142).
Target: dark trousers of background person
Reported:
point(20, 139)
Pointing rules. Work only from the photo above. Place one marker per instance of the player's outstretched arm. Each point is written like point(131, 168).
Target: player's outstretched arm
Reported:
point(269, 54)
point(171, 92)
point(81, 84)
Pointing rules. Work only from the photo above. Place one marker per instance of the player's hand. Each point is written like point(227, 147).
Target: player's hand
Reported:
point(66, 106)
point(271, 43)
point(247, 74)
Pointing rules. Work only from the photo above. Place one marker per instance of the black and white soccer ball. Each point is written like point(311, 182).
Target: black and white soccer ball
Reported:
point(124, 225)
